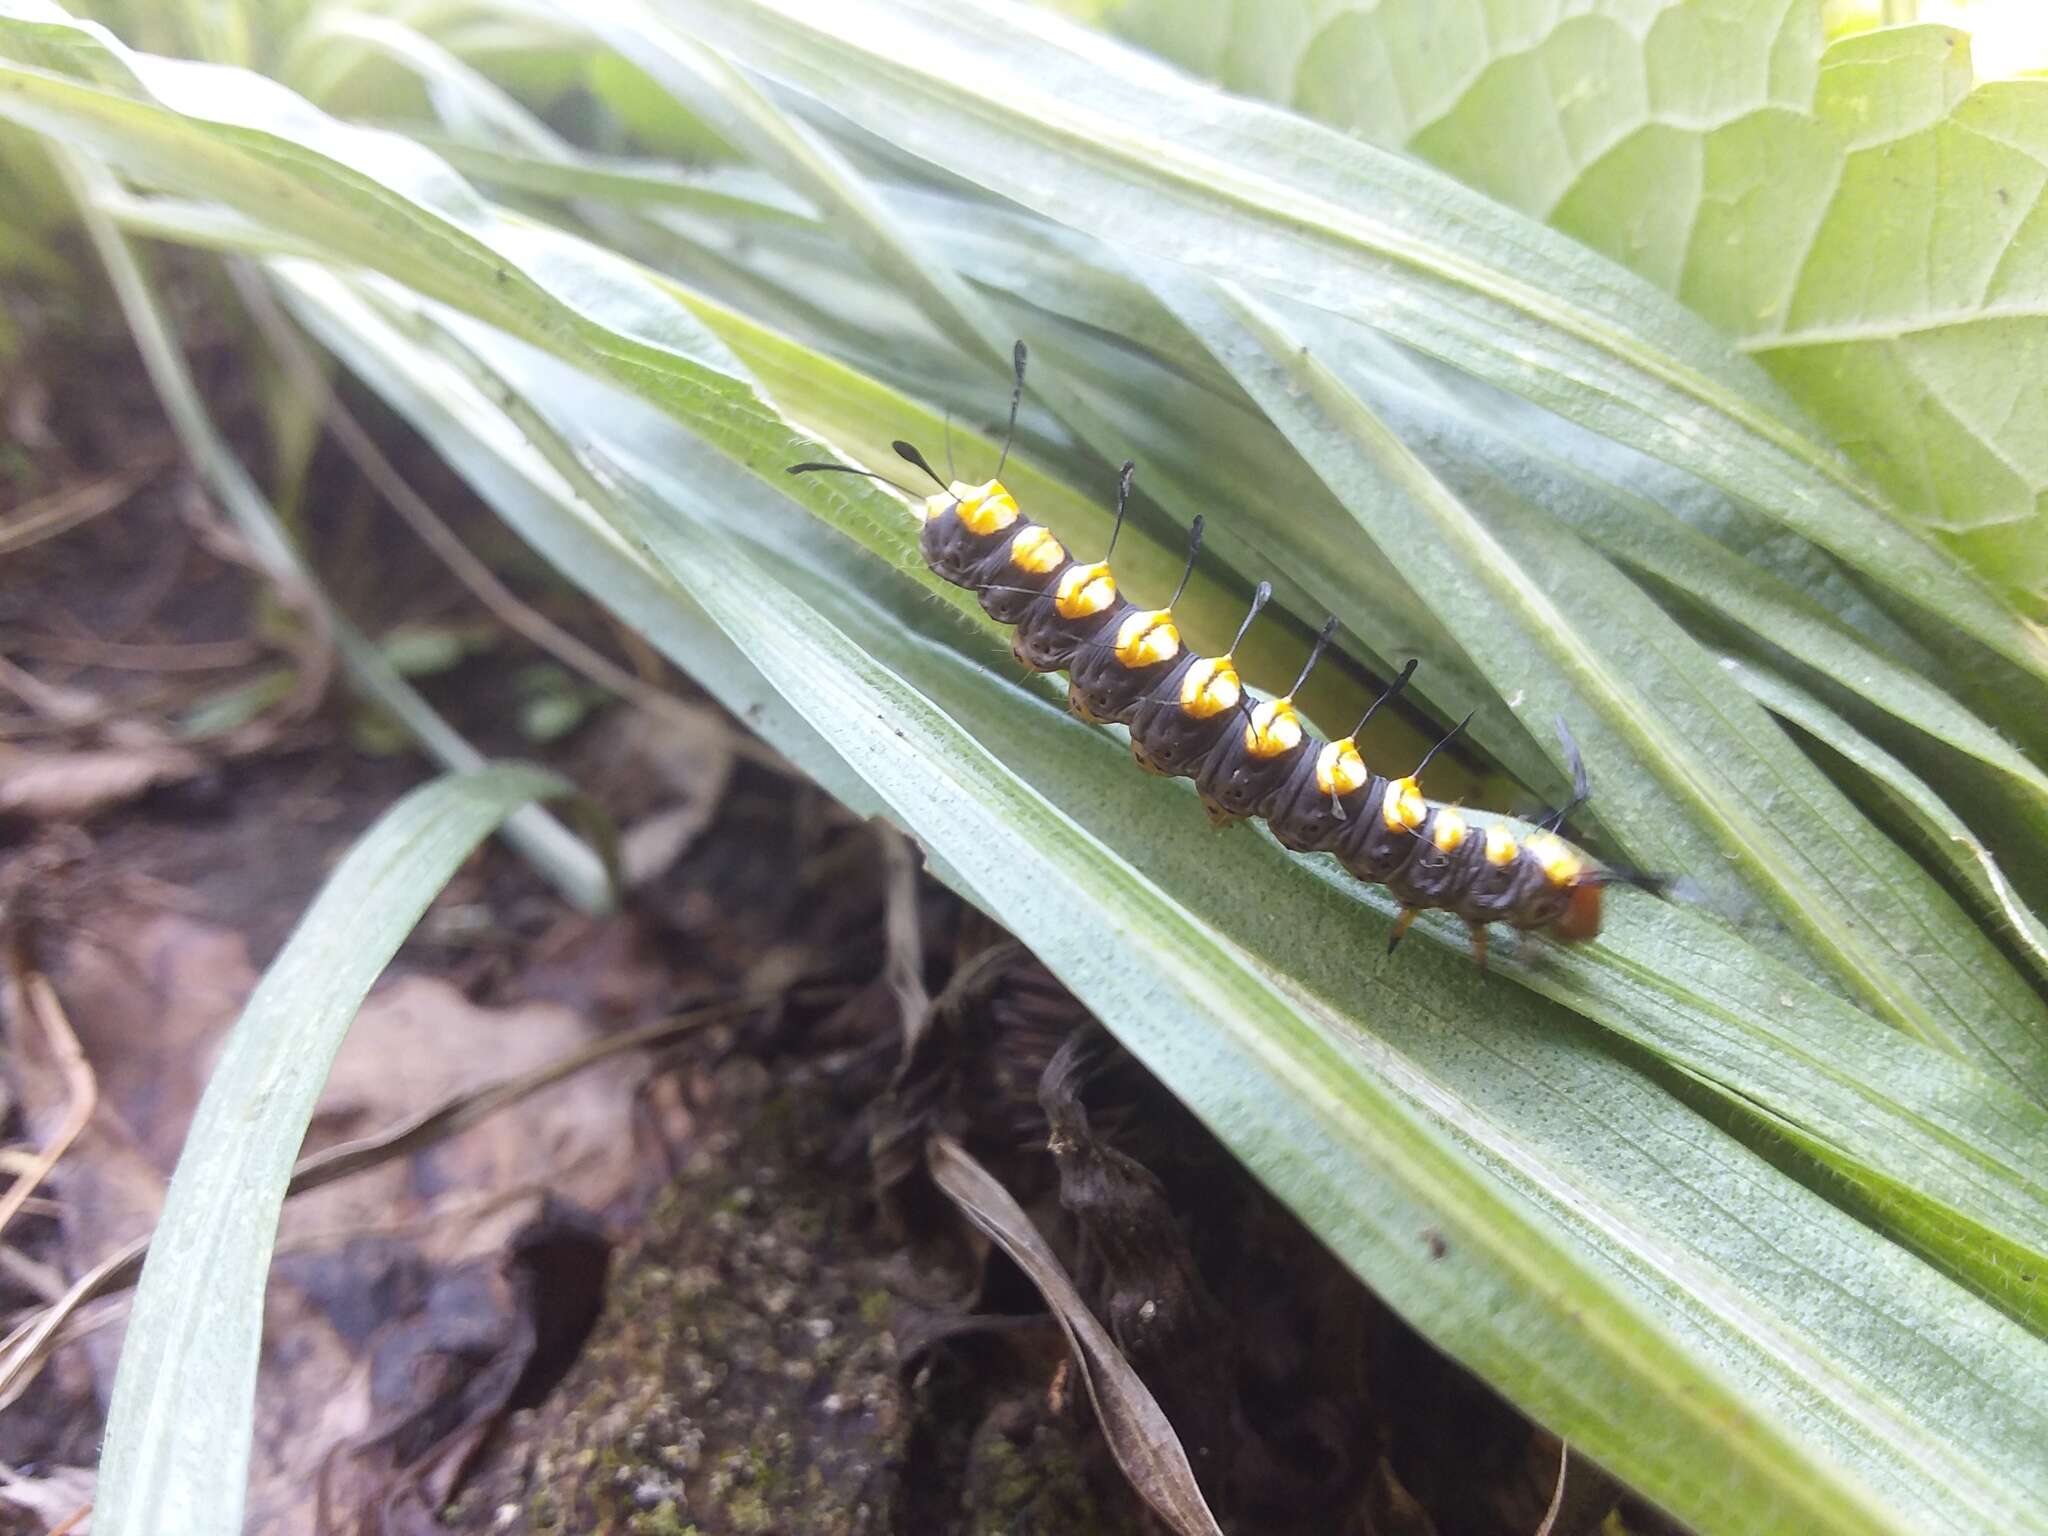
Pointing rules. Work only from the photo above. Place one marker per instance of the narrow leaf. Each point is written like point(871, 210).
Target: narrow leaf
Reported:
point(1139, 1435)
point(180, 1426)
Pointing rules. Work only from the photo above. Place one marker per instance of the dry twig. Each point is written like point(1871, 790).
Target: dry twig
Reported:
point(30, 995)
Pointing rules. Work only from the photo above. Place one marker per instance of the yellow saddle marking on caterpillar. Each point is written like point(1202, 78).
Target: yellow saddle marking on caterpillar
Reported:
point(1084, 591)
point(1339, 768)
point(1147, 638)
point(985, 509)
point(1210, 687)
point(1404, 809)
point(1034, 549)
point(1554, 856)
point(1273, 729)
point(1501, 847)
point(1448, 831)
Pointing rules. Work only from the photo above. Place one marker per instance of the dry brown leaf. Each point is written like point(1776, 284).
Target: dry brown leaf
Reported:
point(150, 997)
point(69, 786)
point(419, 1041)
point(664, 774)
point(54, 1496)
point(150, 1003)
point(1143, 1442)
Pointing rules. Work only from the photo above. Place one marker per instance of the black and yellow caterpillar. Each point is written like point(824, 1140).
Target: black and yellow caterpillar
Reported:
point(1189, 716)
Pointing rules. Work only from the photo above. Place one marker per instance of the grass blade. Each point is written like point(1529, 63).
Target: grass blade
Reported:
point(570, 864)
point(180, 1424)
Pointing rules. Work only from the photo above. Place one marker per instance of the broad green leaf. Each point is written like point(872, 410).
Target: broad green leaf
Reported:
point(1106, 141)
point(180, 1425)
point(1941, 829)
point(1568, 634)
point(1917, 328)
point(1862, 218)
point(1451, 1051)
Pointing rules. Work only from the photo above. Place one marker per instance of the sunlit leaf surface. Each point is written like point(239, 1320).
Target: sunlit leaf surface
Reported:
point(1864, 219)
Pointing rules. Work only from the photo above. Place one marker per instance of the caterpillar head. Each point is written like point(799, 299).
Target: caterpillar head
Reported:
point(1580, 919)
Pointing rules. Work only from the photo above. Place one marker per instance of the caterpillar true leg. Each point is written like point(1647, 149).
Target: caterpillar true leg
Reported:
point(1400, 929)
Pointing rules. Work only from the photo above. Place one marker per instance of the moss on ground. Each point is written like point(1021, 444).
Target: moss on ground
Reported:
point(743, 1378)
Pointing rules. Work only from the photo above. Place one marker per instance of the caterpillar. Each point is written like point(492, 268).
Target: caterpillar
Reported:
point(1190, 716)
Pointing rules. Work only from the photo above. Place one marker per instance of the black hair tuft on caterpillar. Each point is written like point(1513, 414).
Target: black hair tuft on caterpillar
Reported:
point(1189, 716)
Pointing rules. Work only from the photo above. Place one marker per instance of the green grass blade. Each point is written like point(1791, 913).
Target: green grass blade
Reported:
point(1695, 572)
point(475, 437)
point(713, 90)
point(569, 863)
point(1942, 830)
point(180, 1424)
